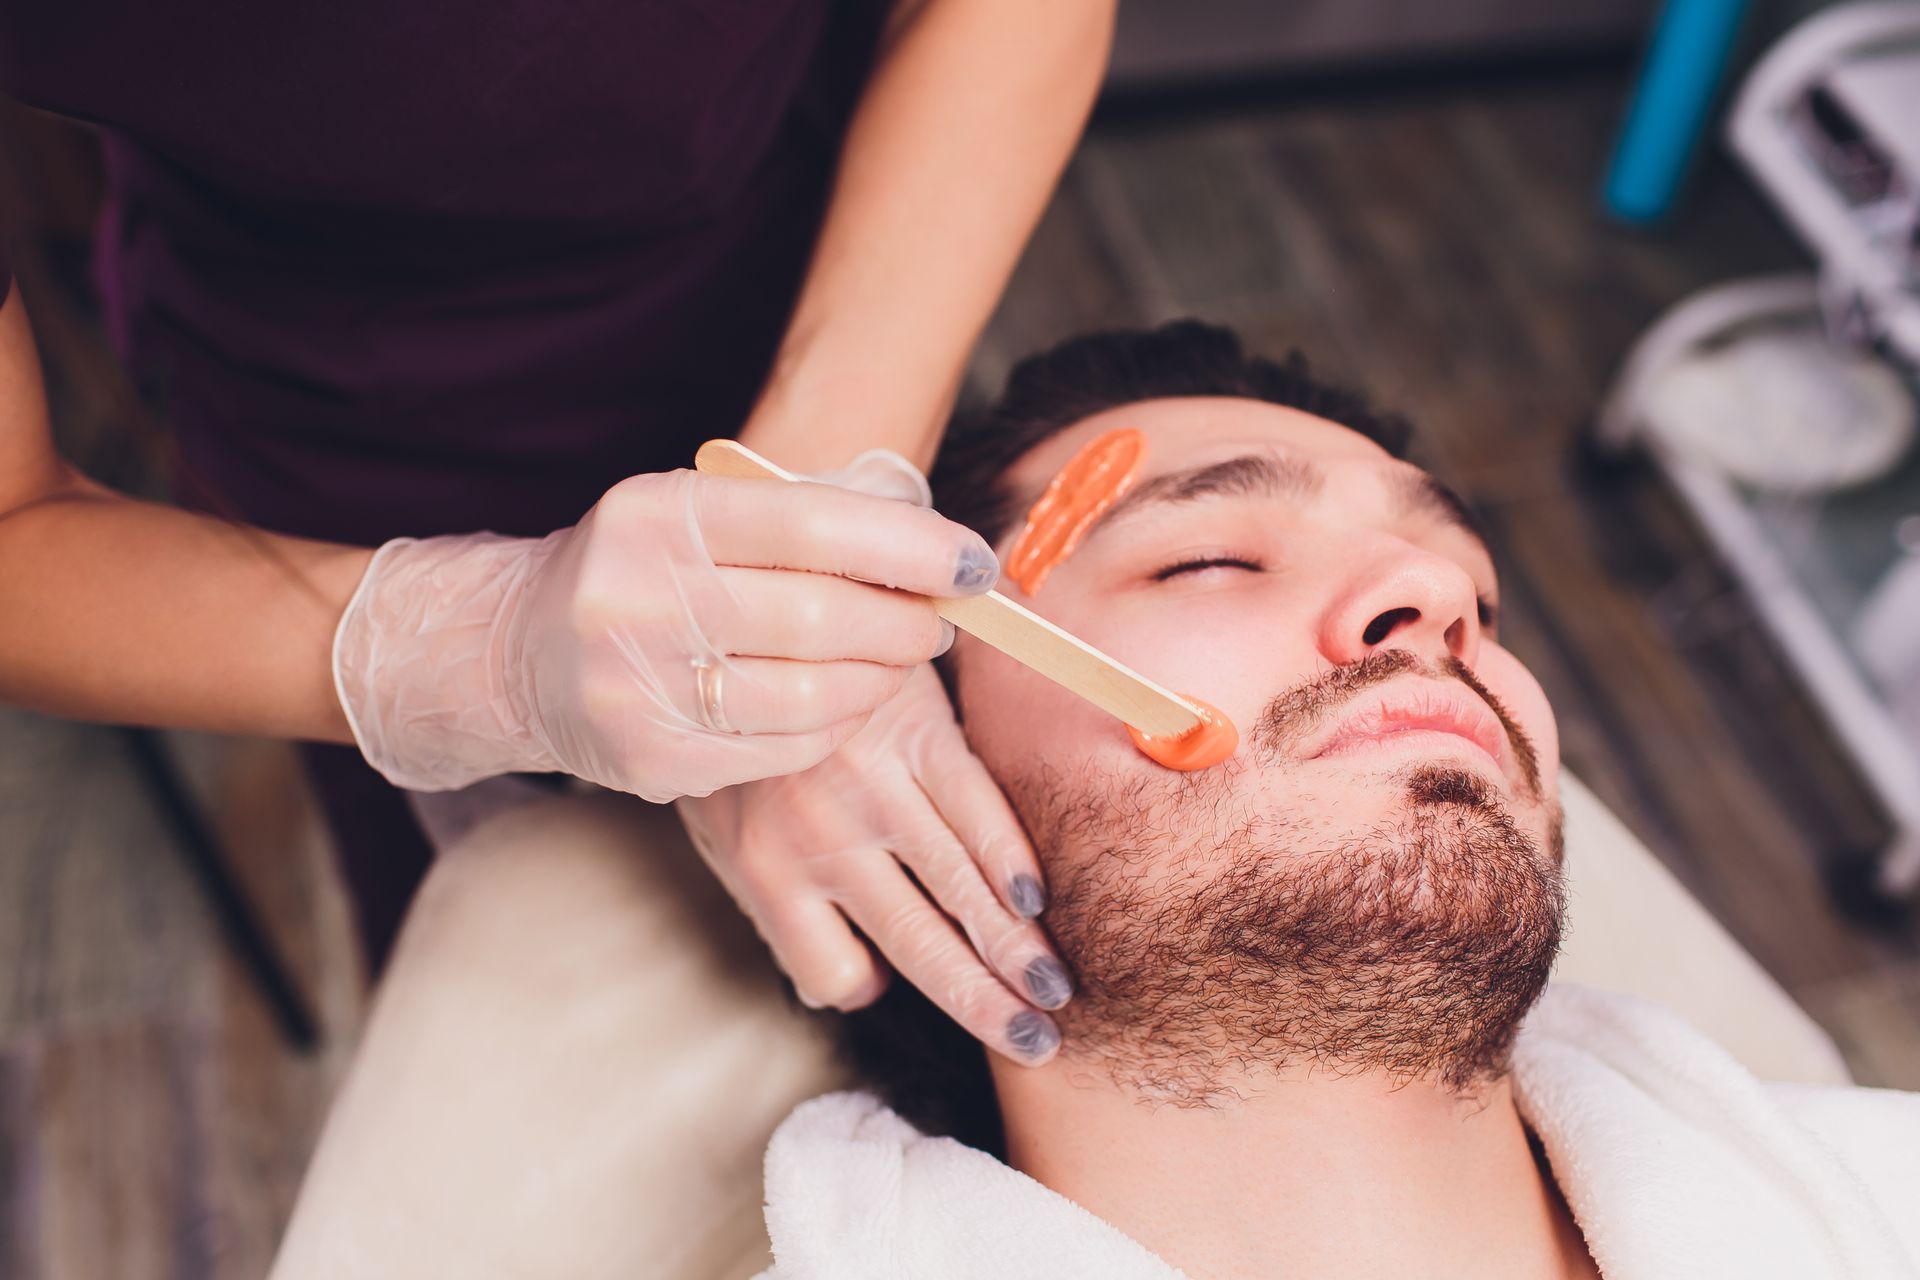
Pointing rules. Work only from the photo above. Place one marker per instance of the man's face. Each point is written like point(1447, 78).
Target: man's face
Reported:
point(1397, 772)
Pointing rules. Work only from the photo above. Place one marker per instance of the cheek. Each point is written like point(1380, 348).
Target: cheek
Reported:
point(1234, 649)
point(1526, 702)
point(1199, 645)
point(1017, 720)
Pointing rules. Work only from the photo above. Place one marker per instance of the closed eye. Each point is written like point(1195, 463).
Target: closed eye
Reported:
point(1207, 562)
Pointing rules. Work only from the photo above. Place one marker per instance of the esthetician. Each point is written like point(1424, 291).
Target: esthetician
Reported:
point(466, 283)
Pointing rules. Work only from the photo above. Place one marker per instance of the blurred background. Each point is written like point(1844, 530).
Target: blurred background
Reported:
point(1479, 210)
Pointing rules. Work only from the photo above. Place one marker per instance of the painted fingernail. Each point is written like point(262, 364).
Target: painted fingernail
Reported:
point(1048, 982)
point(946, 637)
point(1033, 1034)
point(978, 569)
point(1028, 898)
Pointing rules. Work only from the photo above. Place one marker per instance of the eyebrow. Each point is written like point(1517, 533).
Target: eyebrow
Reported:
point(1252, 474)
point(1267, 475)
point(1420, 492)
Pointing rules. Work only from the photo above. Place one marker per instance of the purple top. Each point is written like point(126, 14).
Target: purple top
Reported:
point(435, 267)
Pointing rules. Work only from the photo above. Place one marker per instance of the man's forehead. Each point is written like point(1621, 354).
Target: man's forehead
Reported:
point(1190, 430)
point(1217, 444)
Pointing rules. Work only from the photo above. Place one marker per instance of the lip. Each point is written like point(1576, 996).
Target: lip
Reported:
point(1411, 707)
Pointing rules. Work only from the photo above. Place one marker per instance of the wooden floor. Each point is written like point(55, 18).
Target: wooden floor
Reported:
point(1439, 248)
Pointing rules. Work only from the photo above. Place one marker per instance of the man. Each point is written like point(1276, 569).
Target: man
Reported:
point(1301, 974)
point(1296, 1044)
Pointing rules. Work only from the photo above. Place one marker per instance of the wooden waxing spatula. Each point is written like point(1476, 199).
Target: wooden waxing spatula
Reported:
point(1021, 634)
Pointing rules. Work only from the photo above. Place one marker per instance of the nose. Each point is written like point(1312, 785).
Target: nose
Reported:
point(1402, 597)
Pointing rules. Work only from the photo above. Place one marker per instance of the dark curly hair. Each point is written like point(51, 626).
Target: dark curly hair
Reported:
point(926, 1067)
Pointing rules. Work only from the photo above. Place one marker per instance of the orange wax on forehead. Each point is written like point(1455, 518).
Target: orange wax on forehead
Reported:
point(1201, 747)
point(1075, 498)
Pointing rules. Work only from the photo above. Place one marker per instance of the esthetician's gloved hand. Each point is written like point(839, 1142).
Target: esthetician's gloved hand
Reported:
point(812, 855)
point(691, 633)
point(806, 854)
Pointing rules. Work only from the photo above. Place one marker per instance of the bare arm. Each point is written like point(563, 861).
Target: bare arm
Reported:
point(972, 111)
point(130, 611)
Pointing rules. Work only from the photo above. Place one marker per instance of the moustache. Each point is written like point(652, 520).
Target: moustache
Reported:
point(1297, 711)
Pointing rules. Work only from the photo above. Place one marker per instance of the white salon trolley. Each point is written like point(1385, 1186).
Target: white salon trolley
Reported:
point(1783, 409)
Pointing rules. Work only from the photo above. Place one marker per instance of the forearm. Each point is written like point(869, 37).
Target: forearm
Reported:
point(137, 613)
point(125, 611)
point(963, 131)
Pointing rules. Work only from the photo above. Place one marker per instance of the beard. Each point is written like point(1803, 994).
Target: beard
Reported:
point(1217, 934)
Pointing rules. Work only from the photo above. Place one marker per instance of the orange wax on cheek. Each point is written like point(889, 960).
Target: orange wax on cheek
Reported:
point(1075, 498)
point(1200, 747)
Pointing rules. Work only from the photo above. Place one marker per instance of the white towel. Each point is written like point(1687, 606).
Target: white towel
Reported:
point(1675, 1161)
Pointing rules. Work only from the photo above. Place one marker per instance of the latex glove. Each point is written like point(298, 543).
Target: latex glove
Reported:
point(692, 632)
point(882, 473)
point(814, 855)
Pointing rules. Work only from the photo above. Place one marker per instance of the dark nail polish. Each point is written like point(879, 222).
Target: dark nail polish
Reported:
point(1028, 898)
point(1048, 982)
point(978, 569)
point(1033, 1034)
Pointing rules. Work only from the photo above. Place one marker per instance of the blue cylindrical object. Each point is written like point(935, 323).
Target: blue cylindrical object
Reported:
point(1685, 62)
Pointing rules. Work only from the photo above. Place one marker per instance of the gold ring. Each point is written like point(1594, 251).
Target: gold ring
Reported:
point(706, 681)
